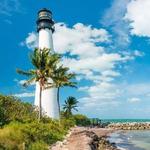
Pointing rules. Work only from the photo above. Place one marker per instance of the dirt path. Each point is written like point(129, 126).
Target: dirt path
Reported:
point(81, 139)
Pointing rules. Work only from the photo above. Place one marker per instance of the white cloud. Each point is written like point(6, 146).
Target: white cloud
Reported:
point(148, 95)
point(7, 7)
point(113, 18)
point(104, 90)
point(90, 61)
point(102, 95)
point(79, 40)
point(134, 100)
point(141, 89)
point(23, 95)
point(139, 53)
point(31, 41)
point(21, 82)
point(139, 17)
point(84, 42)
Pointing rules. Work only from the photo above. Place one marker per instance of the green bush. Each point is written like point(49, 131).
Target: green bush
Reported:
point(49, 133)
point(40, 145)
point(11, 137)
point(81, 120)
point(16, 135)
point(12, 109)
point(67, 123)
point(20, 129)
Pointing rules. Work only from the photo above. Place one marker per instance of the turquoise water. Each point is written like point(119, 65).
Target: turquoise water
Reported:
point(131, 140)
point(125, 120)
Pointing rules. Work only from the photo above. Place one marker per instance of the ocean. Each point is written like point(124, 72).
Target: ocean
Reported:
point(131, 140)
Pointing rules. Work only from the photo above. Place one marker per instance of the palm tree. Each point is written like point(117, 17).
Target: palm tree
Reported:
point(70, 104)
point(43, 63)
point(62, 78)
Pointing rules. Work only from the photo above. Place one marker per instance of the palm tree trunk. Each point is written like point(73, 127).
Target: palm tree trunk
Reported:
point(58, 92)
point(40, 104)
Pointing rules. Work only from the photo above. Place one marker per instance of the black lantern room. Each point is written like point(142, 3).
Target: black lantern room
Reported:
point(45, 20)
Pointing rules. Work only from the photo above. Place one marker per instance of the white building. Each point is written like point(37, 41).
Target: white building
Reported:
point(45, 28)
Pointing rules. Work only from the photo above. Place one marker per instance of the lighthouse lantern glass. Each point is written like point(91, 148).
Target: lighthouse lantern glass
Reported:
point(45, 14)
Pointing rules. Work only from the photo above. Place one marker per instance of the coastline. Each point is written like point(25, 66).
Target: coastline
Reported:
point(86, 138)
point(96, 138)
point(129, 126)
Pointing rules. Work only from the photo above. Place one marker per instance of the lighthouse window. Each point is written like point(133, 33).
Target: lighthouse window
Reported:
point(44, 14)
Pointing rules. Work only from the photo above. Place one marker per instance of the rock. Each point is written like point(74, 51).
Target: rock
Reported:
point(130, 126)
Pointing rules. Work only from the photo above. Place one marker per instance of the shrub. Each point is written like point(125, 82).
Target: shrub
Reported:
point(49, 133)
point(16, 135)
point(12, 109)
point(20, 129)
point(81, 120)
point(11, 137)
point(40, 145)
point(67, 123)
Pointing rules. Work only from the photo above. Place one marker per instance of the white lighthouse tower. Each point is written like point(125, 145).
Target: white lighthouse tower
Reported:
point(45, 28)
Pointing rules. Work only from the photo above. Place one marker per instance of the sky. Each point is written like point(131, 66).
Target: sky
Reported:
point(107, 45)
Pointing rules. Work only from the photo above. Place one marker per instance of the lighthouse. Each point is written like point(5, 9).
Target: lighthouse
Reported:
point(45, 29)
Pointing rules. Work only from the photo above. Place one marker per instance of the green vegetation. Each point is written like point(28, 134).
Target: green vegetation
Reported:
point(20, 129)
point(81, 120)
point(12, 109)
point(43, 63)
point(62, 78)
point(24, 127)
point(46, 65)
point(16, 135)
point(70, 104)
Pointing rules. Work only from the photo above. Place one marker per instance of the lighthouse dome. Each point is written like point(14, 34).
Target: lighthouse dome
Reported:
point(45, 20)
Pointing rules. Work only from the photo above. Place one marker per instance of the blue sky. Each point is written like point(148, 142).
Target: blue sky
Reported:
point(110, 39)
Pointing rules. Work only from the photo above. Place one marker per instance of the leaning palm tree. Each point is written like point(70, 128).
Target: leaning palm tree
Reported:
point(70, 104)
point(43, 63)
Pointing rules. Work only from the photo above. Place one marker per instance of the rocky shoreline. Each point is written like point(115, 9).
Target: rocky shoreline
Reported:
point(129, 126)
point(81, 138)
point(95, 138)
point(104, 144)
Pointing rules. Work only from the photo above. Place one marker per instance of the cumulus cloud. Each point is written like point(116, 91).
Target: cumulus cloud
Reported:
point(84, 45)
point(88, 58)
point(139, 17)
point(79, 40)
point(139, 89)
point(21, 82)
point(134, 100)
point(102, 95)
point(7, 7)
point(24, 95)
point(31, 40)
point(83, 53)
point(103, 90)
point(113, 19)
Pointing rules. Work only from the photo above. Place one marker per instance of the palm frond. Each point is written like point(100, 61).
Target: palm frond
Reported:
point(29, 82)
point(26, 73)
